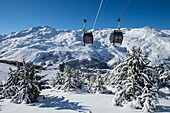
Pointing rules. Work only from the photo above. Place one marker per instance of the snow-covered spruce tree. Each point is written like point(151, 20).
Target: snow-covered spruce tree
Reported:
point(58, 80)
point(136, 81)
point(107, 78)
point(1, 86)
point(69, 79)
point(89, 81)
point(165, 78)
point(1, 89)
point(77, 78)
point(164, 74)
point(98, 84)
point(28, 83)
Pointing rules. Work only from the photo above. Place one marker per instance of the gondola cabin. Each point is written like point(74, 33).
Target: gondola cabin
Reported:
point(87, 38)
point(117, 35)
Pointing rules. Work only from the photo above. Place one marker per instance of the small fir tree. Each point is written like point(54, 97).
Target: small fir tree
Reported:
point(99, 84)
point(89, 78)
point(68, 80)
point(58, 81)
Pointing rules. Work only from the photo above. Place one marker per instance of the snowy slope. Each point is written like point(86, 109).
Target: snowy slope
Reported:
point(59, 102)
point(45, 44)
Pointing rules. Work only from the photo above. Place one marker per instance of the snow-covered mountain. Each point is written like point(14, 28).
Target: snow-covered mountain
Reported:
point(43, 44)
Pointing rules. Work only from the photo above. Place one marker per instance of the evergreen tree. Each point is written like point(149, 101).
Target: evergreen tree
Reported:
point(24, 84)
point(165, 78)
point(1, 89)
point(164, 74)
point(135, 80)
point(99, 85)
point(58, 81)
point(89, 78)
point(107, 79)
point(68, 80)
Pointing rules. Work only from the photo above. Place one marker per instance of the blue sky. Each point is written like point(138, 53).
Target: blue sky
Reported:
point(17, 15)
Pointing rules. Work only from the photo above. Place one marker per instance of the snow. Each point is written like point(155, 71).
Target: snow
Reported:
point(66, 102)
point(52, 45)
point(61, 102)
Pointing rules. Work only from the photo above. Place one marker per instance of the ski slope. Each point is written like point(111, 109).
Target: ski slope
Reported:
point(43, 44)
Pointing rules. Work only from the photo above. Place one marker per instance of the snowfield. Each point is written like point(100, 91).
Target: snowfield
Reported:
point(60, 102)
point(43, 44)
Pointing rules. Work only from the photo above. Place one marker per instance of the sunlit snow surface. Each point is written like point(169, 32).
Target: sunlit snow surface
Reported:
point(46, 44)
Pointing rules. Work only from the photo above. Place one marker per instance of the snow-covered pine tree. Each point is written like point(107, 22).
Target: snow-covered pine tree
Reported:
point(68, 82)
point(135, 80)
point(165, 78)
point(107, 78)
point(98, 85)
point(164, 74)
point(89, 78)
point(28, 83)
point(77, 78)
point(58, 80)
point(1, 86)
point(1, 89)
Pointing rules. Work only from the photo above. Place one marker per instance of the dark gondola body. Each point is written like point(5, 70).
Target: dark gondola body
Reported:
point(116, 37)
point(87, 38)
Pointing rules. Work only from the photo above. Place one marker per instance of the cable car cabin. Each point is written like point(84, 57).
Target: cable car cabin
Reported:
point(116, 37)
point(87, 38)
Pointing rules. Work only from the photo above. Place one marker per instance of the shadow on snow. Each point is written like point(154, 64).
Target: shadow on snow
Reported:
point(59, 103)
point(164, 95)
point(163, 109)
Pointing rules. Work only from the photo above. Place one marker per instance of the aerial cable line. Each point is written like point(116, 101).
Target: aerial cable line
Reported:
point(97, 13)
point(103, 9)
point(125, 7)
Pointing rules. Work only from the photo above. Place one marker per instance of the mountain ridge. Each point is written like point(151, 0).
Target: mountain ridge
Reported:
point(52, 46)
